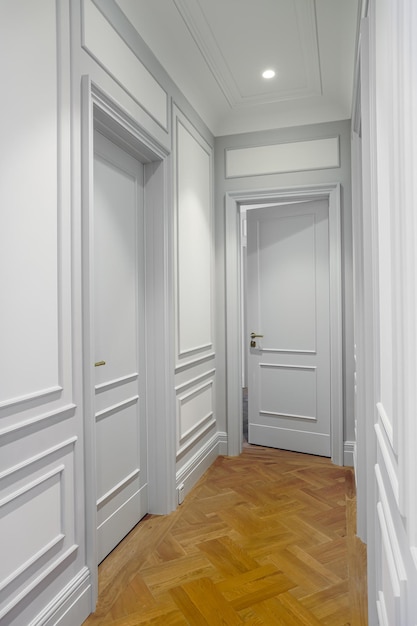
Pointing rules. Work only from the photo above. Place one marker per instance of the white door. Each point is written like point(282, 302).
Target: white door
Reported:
point(119, 320)
point(288, 303)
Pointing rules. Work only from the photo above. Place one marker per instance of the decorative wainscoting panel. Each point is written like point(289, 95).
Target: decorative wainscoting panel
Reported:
point(29, 356)
point(195, 416)
point(194, 241)
point(194, 274)
point(392, 590)
point(37, 515)
point(41, 514)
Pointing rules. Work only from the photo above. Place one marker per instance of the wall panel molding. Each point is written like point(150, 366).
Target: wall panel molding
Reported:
point(201, 460)
point(70, 606)
point(195, 412)
point(189, 364)
point(28, 588)
point(386, 423)
point(36, 349)
point(43, 482)
point(38, 457)
point(280, 158)
point(196, 379)
point(63, 412)
point(47, 538)
point(194, 259)
point(389, 466)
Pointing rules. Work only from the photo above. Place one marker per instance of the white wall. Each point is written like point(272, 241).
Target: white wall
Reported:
point(273, 160)
point(41, 437)
point(386, 310)
point(48, 570)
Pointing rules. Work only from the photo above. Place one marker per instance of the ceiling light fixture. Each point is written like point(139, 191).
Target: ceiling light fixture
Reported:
point(268, 74)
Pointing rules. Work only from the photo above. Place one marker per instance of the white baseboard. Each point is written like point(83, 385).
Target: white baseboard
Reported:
point(194, 469)
point(71, 607)
point(349, 453)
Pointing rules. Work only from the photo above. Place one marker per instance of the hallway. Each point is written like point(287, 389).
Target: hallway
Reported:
point(264, 538)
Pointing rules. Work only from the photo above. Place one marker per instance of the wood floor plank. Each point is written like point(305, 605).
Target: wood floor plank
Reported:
point(268, 537)
point(203, 605)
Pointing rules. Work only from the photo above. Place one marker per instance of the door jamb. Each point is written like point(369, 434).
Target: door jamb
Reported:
point(99, 108)
point(233, 200)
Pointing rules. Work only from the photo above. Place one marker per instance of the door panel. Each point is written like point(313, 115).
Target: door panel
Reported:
point(288, 304)
point(119, 322)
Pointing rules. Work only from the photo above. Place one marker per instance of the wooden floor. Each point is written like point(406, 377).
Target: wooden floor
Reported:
point(264, 538)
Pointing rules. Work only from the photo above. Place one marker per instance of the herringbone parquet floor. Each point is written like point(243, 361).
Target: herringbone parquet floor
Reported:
point(264, 538)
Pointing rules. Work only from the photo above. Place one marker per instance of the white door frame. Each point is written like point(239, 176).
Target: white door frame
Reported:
point(233, 200)
point(101, 112)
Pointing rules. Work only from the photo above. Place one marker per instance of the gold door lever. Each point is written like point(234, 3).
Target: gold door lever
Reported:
point(253, 337)
point(99, 363)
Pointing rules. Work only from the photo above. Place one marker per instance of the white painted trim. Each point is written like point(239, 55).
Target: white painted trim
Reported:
point(116, 488)
point(204, 428)
point(388, 464)
point(349, 454)
point(115, 408)
point(38, 579)
point(41, 394)
point(116, 382)
point(71, 606)
point(37, 457)
point(62, 413)
point(386, 423)
point(382, 611)
point(288, 367)
point(194, 362)
point(290, 415)
point(196, 379)
point(331, 192)
point(392, 535)
point(194, 469)
point(190, 356)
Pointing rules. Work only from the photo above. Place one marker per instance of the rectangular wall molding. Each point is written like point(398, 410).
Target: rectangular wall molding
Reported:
point(389, 466)
point(64, 412)
point(37, 580)
point(315, 154)
point(38, 457)
point(195, 413)
point(193, 241)
point(385, 421)
point(29, 503)
point(189, 364)
point(71, 606)
point(193, 381)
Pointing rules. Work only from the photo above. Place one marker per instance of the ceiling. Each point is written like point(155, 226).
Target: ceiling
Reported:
point(216, 50)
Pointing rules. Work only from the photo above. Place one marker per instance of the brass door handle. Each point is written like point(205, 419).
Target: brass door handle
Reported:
point(252, 338)
point(99, 363)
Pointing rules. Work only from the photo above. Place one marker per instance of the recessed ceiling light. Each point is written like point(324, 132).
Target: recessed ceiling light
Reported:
point(268, 74)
